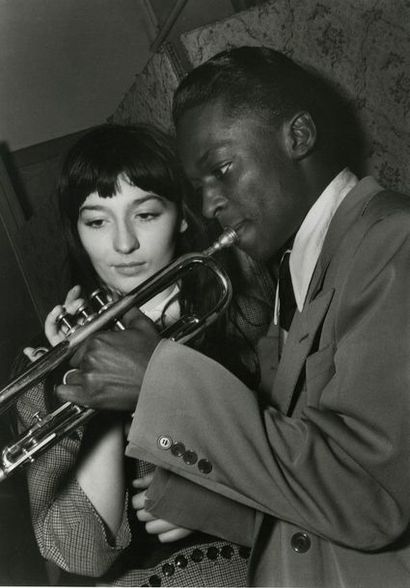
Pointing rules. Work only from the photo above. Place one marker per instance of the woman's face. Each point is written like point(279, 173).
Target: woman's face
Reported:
point(130, 236)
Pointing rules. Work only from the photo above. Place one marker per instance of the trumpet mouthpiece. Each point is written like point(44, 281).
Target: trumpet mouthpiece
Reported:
point(226, 239)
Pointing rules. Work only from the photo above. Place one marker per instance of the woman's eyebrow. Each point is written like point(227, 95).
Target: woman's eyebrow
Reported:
point(150, 196)
point(136, 201)
point(91, 207)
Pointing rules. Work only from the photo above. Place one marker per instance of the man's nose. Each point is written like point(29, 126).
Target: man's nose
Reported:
point(126, 239)
point(213, 201)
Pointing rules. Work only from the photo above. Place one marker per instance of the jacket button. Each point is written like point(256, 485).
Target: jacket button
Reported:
point(181, 561)
point(197, 555)
point(168, 570)
point(204, 466)
point(164, 442)
point(227, 551)
point(212, 552)
point(244, 552)
point(178, 449)
point(190, 457)
point(300, 542)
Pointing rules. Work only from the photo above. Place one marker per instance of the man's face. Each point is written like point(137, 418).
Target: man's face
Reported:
point(243, 170)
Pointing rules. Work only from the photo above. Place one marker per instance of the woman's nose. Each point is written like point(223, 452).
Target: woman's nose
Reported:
point(126, 239)
point(213, 201)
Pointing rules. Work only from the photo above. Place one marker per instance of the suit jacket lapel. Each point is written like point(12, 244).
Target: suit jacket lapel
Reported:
point(299, 342)
point(306, 323)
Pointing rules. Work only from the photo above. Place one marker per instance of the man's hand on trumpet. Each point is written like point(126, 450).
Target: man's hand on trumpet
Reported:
point(110, 366)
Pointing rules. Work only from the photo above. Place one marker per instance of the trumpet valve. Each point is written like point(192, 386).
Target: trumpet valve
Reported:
point(102, 299)
point(85, 314)
point(66, 322)
point(37, 417)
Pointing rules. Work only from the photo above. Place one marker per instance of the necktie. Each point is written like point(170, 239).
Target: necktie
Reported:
point(287, 302)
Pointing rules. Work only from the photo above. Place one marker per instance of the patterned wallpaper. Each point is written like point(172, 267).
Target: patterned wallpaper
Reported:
point(150, 97)
point(364, 45)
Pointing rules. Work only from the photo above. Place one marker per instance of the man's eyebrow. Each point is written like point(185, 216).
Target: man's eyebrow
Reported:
point(206, 156)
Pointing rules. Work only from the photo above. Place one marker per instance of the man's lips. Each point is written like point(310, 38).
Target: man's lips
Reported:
point(238, 227)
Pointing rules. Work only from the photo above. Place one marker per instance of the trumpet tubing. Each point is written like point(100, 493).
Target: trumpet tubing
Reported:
point(49, 429)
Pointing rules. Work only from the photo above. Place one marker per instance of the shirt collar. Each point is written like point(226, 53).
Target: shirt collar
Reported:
point(309, 239)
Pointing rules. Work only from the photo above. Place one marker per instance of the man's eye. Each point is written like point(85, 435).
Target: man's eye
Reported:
point(219, 172)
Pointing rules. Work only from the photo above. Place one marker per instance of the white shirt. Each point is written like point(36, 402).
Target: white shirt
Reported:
point(154, 309)
point(310, 237)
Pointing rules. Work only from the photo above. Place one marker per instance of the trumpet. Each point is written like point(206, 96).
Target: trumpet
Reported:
point(49, 429)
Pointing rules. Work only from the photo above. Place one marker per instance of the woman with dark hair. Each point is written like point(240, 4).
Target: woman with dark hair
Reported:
point(125, 214)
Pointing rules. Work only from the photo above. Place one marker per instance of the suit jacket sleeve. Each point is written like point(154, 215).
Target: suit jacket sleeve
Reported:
point(197, 508)
point(341, 468)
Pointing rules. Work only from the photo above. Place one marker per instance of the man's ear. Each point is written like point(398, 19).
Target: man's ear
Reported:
point(301, 135)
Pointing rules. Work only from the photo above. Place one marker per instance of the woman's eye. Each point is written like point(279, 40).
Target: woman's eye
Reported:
point(147, 216)
point(95, 223)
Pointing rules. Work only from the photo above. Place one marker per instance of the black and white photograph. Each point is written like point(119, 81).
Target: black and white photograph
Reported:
point(205, 293)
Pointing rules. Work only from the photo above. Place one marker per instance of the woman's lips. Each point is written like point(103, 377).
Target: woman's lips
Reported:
point(129, 269)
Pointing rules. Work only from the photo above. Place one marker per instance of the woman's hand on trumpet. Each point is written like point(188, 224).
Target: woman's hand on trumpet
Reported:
point(53, 331)
point(110, 366)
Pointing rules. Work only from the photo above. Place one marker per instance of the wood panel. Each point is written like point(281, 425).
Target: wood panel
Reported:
point(19, 315)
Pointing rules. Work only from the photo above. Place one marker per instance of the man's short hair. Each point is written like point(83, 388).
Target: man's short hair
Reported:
point(266, 82)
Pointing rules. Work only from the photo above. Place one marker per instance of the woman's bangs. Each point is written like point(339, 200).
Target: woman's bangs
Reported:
point(87, 180)
point(153, 175)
